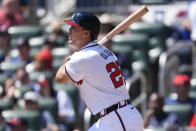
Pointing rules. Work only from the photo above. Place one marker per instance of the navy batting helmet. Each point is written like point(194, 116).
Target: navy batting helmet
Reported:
point(86, 20)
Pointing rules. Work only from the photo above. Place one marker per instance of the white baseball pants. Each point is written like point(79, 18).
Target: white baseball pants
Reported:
point(127, 118)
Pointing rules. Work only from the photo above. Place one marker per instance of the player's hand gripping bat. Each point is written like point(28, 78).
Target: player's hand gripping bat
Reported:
point(125, 24)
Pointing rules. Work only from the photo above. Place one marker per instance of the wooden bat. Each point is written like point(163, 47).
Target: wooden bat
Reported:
point(125, 24)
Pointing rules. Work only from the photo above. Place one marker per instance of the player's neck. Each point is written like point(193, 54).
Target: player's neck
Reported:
point(83, 43)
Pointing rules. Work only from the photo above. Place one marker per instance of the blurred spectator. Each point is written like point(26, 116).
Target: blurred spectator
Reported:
point(46, 90)
point(192, 19)
point(181, 83)
point(23, 48)
point(193, 121)
point(4, 45)
point(57, 35)
point(66, 111)
point(8, 89)
point(16, 124)
point(2, 120)
point(42, 62)
point(107, 25)
point(31, 103)
point(10, 14)
point(156, 117)
point(22, 79)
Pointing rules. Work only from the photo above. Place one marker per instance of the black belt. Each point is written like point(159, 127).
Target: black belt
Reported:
point(112, 108)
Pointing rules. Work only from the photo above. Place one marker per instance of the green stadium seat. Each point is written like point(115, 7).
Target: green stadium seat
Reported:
point(49, 104)
point(139, 61)
point(192, 94)
point(23, 89)
point(59, 53)
point(57, 63)
point(184, 111)
point(6, 104)
point(155, 129)
point(13, 53)
point(11, 66)
point(153, 29)
point(25, 31)
point(34, 51)
point(36, 74)
point(137, 44)
point(193, 86)
point(61, 41)
point(2, 128)
point(32, 117)
point(37, 42)
point(2, 78)
point(157, 36)
point(152, 1)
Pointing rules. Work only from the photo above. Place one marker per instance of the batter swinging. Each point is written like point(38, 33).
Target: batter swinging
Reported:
point(97, 72)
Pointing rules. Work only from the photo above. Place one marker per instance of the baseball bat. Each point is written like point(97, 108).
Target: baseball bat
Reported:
point(125, 24)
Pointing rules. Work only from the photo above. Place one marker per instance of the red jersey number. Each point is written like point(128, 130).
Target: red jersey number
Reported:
point(116, 73)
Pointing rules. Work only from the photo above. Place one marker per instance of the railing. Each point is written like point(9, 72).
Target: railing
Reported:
point(140, 100)
point(166, 57)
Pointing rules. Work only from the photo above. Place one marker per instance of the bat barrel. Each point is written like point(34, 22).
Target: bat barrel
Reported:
point(125, 24)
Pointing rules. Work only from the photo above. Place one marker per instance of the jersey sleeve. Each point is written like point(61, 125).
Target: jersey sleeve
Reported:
point(77, 68)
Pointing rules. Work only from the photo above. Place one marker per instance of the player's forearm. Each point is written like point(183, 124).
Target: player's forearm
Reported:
point(61, 75)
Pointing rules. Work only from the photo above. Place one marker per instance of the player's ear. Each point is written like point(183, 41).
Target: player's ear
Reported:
point(87, 33)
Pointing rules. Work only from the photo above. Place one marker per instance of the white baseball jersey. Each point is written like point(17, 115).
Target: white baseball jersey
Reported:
point(98, 74)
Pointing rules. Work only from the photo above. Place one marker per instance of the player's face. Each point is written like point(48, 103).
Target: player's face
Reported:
point(75, 35)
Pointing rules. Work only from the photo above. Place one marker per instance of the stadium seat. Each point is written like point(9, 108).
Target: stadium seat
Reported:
point(139, 61)
point(59, 54)
point(61, 41)
point(11, 66)
point(192, 94)
point(6, 104)
point(34, 51)
point(27, 31)
point(32, 117)
point(36, 74)
point(49, 104)
point(2, 78)
point(2, 128)
point(184, 111)
point(193, 86)
point(155, 129)
point(157, 34)
point(23, 89)
point(153, 29)
point(153, 1)
point(37, 42)
point(137, 45)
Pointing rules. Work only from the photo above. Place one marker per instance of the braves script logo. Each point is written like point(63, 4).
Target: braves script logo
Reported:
point(105, 54)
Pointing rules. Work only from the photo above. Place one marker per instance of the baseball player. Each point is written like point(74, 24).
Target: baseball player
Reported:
point(97, 72)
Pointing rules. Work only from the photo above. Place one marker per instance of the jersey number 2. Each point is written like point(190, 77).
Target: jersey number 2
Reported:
point(116, 73)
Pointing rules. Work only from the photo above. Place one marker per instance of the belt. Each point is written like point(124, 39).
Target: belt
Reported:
point(112, 108)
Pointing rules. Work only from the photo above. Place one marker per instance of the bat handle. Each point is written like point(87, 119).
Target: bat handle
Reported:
point(103, 40)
